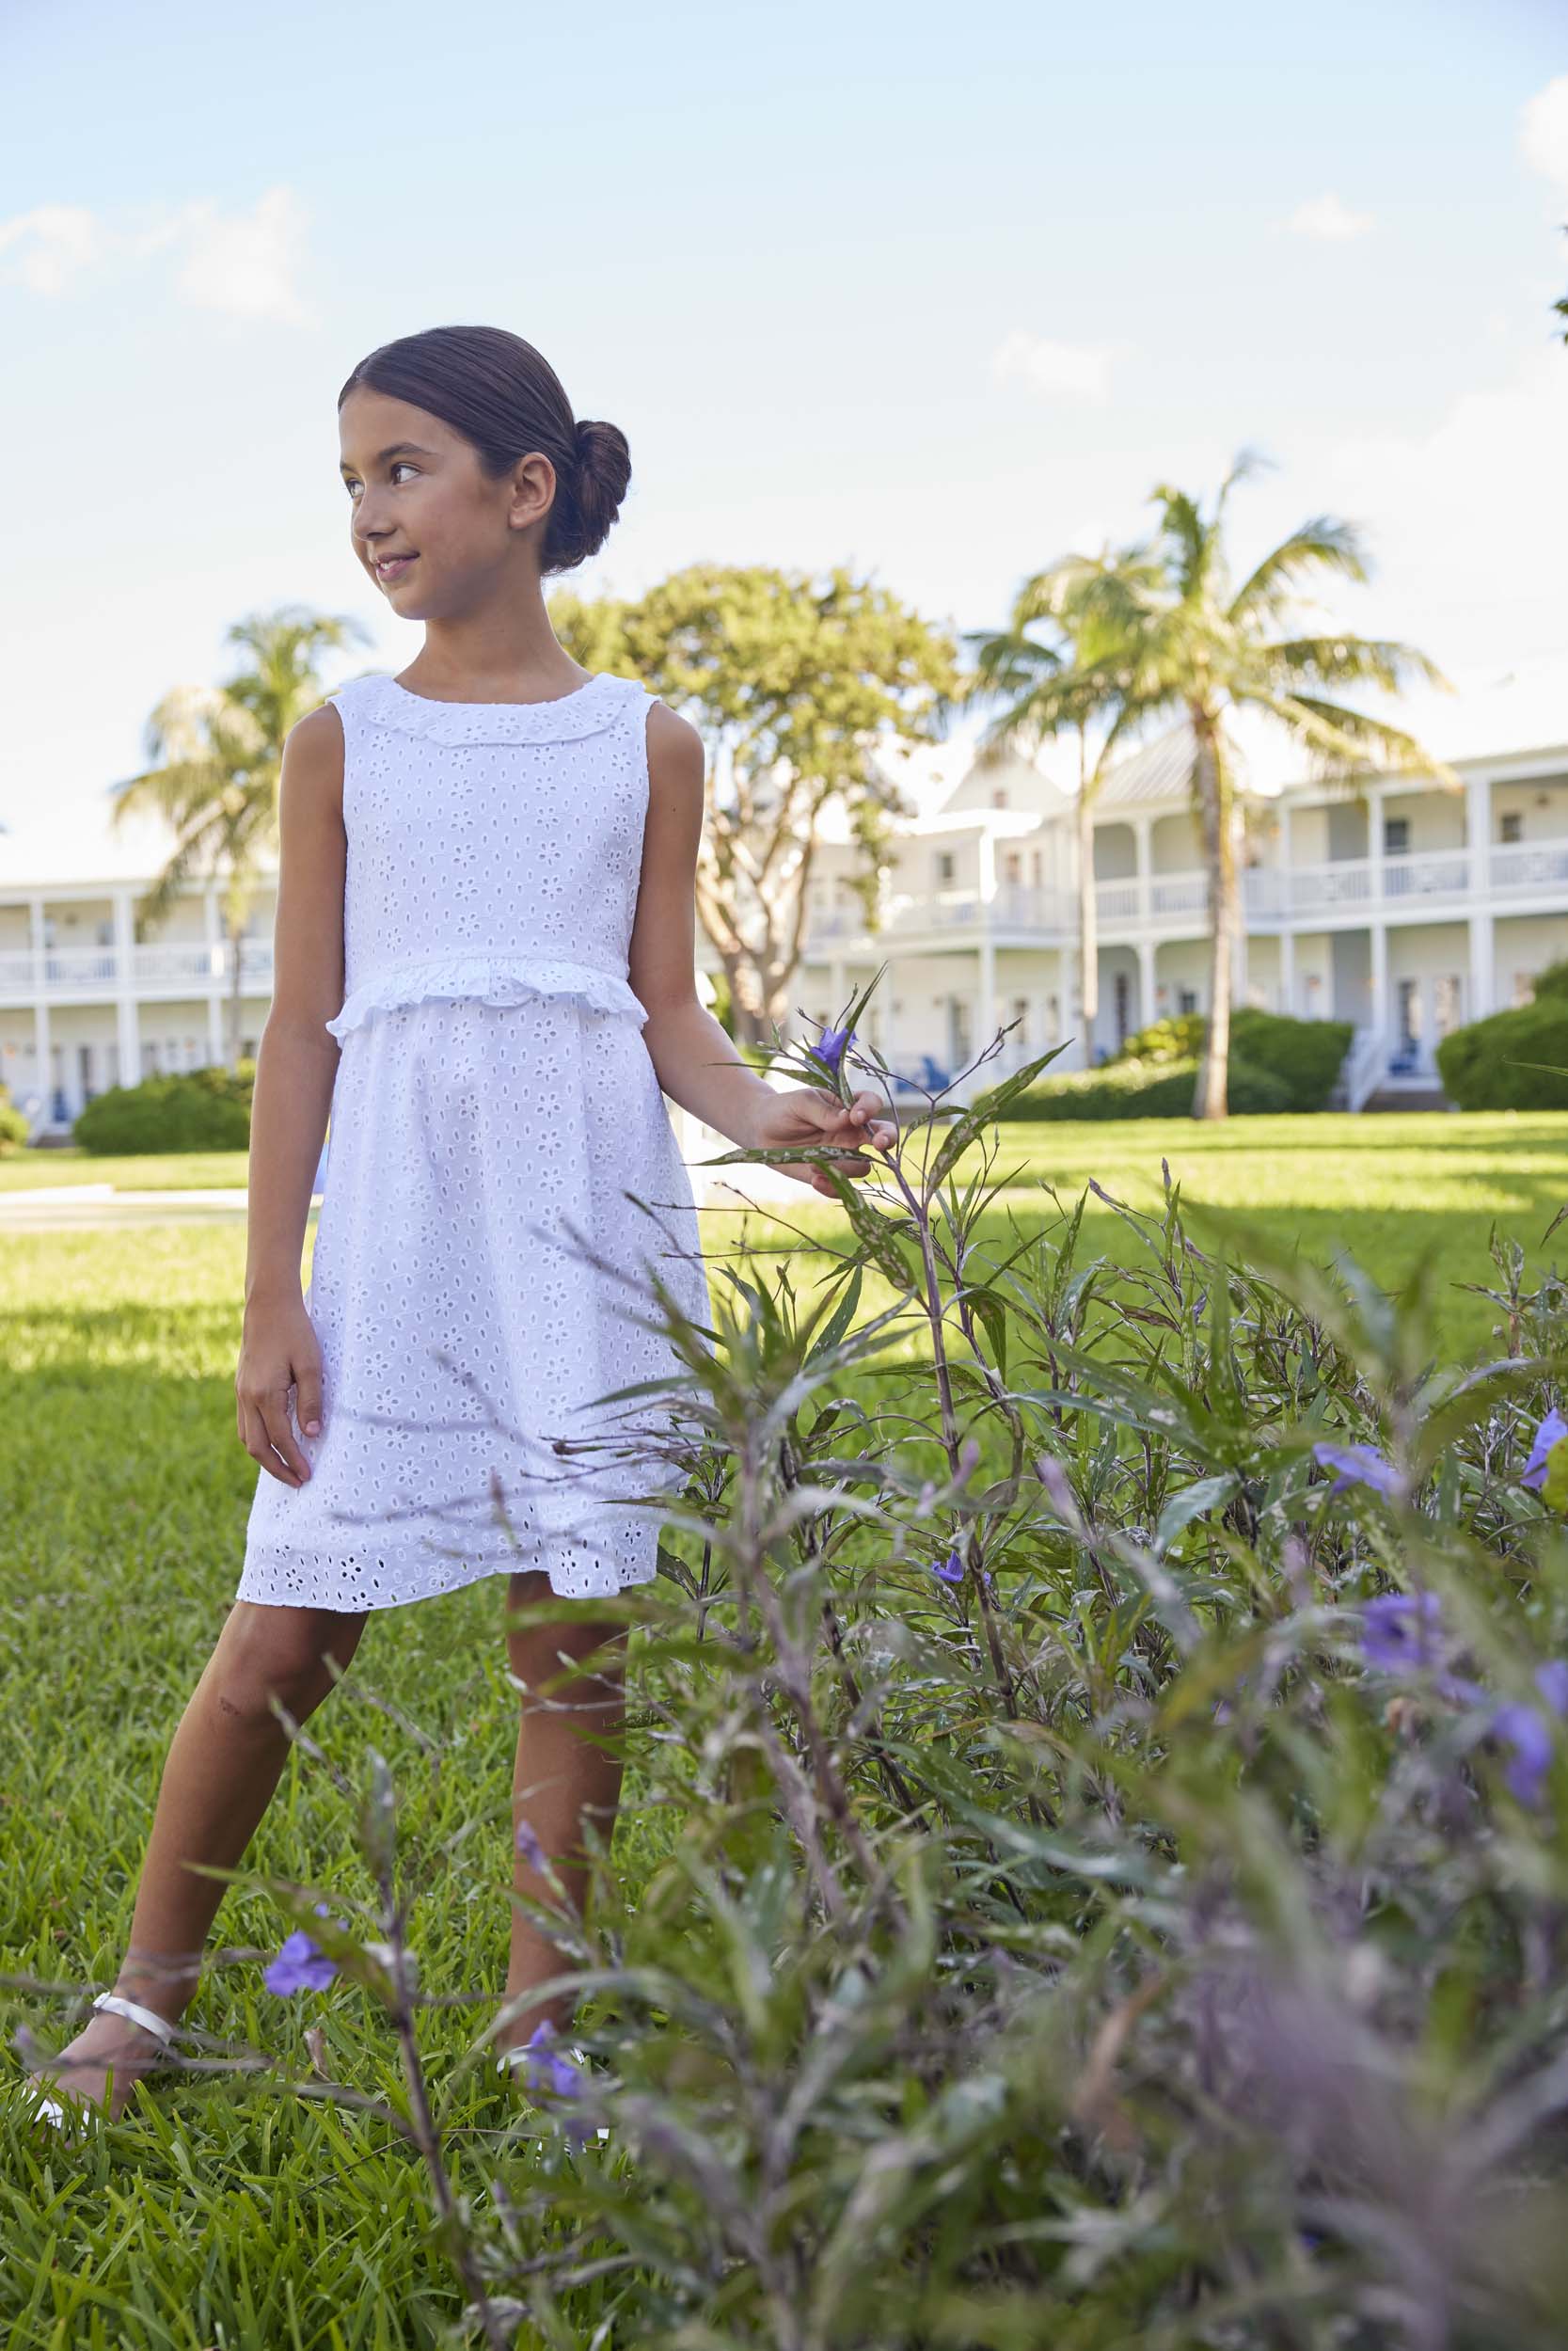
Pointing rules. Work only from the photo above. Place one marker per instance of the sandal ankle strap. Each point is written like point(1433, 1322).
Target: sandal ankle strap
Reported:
point(134, 2012)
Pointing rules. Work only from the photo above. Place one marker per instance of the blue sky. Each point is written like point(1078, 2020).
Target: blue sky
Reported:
point(857, 291)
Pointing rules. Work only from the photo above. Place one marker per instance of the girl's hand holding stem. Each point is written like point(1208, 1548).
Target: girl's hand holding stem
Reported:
point(811, 1114)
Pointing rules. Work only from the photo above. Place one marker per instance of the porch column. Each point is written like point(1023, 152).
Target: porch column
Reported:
point(1381, 1017)
point(1287, 972)
point(211, 929)
point(1147, 983)
point(40, 1013)
point(1478, 840)
point(1142, 829)
point(127, 1021)
point(1483, 964)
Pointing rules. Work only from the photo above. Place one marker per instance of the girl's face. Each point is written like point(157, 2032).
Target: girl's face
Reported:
point(436, 537)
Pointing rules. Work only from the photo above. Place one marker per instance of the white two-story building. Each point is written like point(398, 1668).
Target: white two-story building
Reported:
point(1401, 907)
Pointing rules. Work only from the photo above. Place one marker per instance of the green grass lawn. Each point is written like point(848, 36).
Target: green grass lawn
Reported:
point(123, 1509)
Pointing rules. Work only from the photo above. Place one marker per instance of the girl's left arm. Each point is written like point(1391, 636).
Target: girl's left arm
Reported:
point(697, 1065)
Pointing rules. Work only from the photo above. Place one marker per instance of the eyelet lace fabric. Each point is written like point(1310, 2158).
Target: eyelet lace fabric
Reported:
point(502, 1173)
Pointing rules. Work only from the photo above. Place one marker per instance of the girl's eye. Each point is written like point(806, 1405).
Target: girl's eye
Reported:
point(397, 468)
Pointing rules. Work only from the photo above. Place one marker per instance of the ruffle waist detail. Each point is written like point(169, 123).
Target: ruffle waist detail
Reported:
point(491, 980)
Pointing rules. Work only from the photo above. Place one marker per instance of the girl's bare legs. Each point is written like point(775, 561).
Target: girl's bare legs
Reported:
point(562, 1779)
point(224, 1763)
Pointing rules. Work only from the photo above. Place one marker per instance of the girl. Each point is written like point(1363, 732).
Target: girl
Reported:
point(485, 969)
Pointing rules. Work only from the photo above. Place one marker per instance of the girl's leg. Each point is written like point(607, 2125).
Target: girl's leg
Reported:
point(562, 1779)
point(224, 1762)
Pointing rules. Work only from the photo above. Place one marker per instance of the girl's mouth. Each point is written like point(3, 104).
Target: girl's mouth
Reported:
point(394, 568)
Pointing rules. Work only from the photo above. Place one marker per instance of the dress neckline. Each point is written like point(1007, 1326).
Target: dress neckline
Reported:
point(549, 702)
point(588, 709)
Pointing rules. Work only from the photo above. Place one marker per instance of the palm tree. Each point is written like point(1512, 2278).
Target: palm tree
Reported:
point(1067, 682)
point(1192, 648)
point(216, 755)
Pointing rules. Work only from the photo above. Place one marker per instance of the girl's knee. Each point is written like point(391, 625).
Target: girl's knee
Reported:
point(293, 1654)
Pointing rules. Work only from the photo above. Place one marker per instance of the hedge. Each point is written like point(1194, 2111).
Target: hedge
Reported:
point(195, 1110)
point(1515, 1060)
point(1304, 1055)
point(1147, 1090)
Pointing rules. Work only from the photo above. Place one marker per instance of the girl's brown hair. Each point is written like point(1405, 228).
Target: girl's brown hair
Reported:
point(504, 396)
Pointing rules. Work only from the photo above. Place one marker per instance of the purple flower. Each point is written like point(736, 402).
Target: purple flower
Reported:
point(1358, 1465)
point(1551, 1680)
point(1552, 1431)
point(300, 1966)
point(547, 2069)
point(1527, 1735)
point(950, 1569)
point(530, 1847)
point(1401, 1630)
point(831, 1047)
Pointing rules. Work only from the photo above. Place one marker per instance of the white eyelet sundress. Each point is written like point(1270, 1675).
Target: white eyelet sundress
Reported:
point(494, 1108)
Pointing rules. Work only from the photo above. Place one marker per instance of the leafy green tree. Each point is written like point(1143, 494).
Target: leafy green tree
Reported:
point(215, 755)
point(795, 684)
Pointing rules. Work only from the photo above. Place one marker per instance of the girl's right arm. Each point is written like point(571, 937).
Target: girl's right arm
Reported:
point(296, 1064)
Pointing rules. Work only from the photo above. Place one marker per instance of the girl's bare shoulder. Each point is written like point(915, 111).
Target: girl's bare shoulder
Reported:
point(312, 772)
point(677, 758)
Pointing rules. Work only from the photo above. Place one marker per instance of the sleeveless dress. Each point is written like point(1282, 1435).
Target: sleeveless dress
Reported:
point(480, 1262)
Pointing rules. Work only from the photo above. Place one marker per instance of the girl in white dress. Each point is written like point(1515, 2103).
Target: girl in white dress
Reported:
point(484, 970)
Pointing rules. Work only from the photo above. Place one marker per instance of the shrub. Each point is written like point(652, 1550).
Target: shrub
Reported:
point(1304, 1055)
point(1482, 1065)
point(14, 1124)
point(1552, 982)
point(1107, 1732)
point(195, 1110)
point(1147, 1090)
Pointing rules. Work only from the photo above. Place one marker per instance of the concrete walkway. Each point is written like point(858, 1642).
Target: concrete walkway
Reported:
point(63, 1207)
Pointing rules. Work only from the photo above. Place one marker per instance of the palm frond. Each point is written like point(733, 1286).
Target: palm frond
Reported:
point(1346, 743)
point(1323, 543)
point(1291, 663)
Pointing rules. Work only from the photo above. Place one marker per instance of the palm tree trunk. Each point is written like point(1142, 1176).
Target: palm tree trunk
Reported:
point(1089, 913)
point(1219, 858)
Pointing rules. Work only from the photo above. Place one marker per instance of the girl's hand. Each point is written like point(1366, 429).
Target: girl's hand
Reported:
point(278, 1349)
point(809, 1114)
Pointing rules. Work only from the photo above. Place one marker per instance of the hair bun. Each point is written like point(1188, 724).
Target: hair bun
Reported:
point(586, 508)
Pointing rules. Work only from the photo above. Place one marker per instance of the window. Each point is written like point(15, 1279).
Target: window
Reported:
point(999, 796)
point(1186, 999)
point(945, 867)
point(1513, 827)
point(1021, 1014)
point(1396, 835)
point(1448, 1003)
point(1410, 1010)
point(1012, 866)
point(1122, 992)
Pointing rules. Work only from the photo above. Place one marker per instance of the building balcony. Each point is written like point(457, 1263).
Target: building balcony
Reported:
point(1348, 891)
point(93, 975)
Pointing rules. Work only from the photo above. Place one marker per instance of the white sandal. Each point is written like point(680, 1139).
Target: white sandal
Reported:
point(61, 2117)
point(509, 2059)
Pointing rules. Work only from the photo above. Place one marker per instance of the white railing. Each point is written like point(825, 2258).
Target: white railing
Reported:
point(192, 965)
point(1316, 889)
point(1529, 866)
point(1362, 1068)
point(1177, 894)
point(1118, 902)
point(1442, 873)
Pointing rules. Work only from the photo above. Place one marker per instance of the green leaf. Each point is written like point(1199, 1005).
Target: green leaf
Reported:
point(1191, 1502)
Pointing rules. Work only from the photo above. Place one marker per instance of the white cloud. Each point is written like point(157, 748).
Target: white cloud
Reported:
point(1326, 217)
point(43, 248)
point(1075, 370)
point(1544, 132)
point(1465, 523)
point(245, 263)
